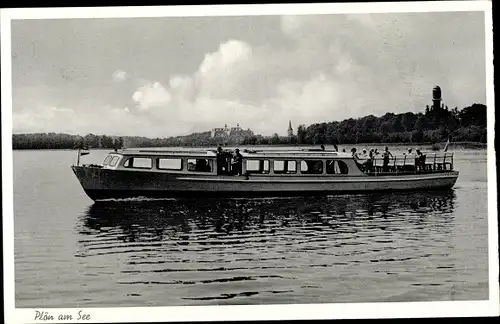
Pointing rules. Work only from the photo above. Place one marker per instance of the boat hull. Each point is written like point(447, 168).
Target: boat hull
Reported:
point(99, 183)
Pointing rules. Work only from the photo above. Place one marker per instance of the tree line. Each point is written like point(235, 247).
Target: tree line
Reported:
point(431, 126)
point(64, 141)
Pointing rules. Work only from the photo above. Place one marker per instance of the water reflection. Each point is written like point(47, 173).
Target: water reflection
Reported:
point(186, 219)
point(245, 246)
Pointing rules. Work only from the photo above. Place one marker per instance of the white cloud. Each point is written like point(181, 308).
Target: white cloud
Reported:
point(221, 73)
point(180, 82)
point(324, 68)
point(260, 88)
point(151, 95)
point(228, 54)
point(44, 119)
point(325, 76)
point(120, 76)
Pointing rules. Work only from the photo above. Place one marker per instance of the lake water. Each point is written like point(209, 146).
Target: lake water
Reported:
point(72, 252)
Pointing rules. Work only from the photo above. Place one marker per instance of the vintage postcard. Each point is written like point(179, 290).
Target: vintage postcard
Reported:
point(249, 162)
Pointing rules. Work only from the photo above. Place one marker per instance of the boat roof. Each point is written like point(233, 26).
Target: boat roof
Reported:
point(249, 154)
point(311, 153)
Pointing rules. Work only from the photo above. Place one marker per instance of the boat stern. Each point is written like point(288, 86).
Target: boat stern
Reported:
point(454, 178)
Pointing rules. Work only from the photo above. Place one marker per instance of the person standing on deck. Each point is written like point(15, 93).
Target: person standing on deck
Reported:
point(409, 166)
point(419, 160)
point(369, 163)
point(221, 161)
point(237, 162)
point(386, 156)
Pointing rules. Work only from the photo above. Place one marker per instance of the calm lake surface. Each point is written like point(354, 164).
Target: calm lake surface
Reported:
point(72, 252)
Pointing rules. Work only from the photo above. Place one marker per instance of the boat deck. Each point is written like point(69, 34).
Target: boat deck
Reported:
point(408, 164)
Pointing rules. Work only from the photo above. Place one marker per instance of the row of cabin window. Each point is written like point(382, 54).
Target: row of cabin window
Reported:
point(203, 165)
point(290, 167)
point(252, 166)
point(111, 160)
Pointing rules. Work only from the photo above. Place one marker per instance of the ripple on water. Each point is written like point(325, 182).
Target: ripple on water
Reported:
point(223, 251)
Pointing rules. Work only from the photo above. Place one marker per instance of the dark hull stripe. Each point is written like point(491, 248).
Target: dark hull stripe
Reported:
point(100, 194)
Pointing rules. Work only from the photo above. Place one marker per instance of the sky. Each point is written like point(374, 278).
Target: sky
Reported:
point(161, 77)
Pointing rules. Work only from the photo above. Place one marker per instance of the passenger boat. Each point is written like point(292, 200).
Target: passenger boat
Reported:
point(149, 173)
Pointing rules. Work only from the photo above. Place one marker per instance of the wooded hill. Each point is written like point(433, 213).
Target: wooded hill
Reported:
point(430, 126)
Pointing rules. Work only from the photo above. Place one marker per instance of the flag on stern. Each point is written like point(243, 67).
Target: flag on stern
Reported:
point(446, 146)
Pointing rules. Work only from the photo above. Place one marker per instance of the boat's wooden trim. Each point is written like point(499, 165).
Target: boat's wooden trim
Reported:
point(333, 179)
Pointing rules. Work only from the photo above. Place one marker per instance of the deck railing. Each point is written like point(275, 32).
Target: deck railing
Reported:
point(430, 162)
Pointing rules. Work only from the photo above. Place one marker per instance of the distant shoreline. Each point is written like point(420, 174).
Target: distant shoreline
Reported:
point(440, 144)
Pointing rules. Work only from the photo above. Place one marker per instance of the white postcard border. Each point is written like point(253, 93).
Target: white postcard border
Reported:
point(490, 307)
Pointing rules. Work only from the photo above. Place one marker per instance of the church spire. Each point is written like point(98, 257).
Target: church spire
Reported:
point(290, 129)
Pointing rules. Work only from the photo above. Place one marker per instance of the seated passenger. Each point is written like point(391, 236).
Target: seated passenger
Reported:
point(356, 159)
point(317, 167)
point(201, 165)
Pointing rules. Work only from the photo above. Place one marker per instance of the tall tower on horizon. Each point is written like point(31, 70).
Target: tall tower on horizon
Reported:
point(436, 98)
point(290, 129)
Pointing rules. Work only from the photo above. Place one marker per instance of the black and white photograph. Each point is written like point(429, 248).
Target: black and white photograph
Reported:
point(249, 162)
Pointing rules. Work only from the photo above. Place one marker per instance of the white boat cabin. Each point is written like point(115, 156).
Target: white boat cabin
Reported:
point(273, 163)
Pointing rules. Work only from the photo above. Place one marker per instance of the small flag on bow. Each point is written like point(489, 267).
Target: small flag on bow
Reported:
point(84, 152)
point(81, 152)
